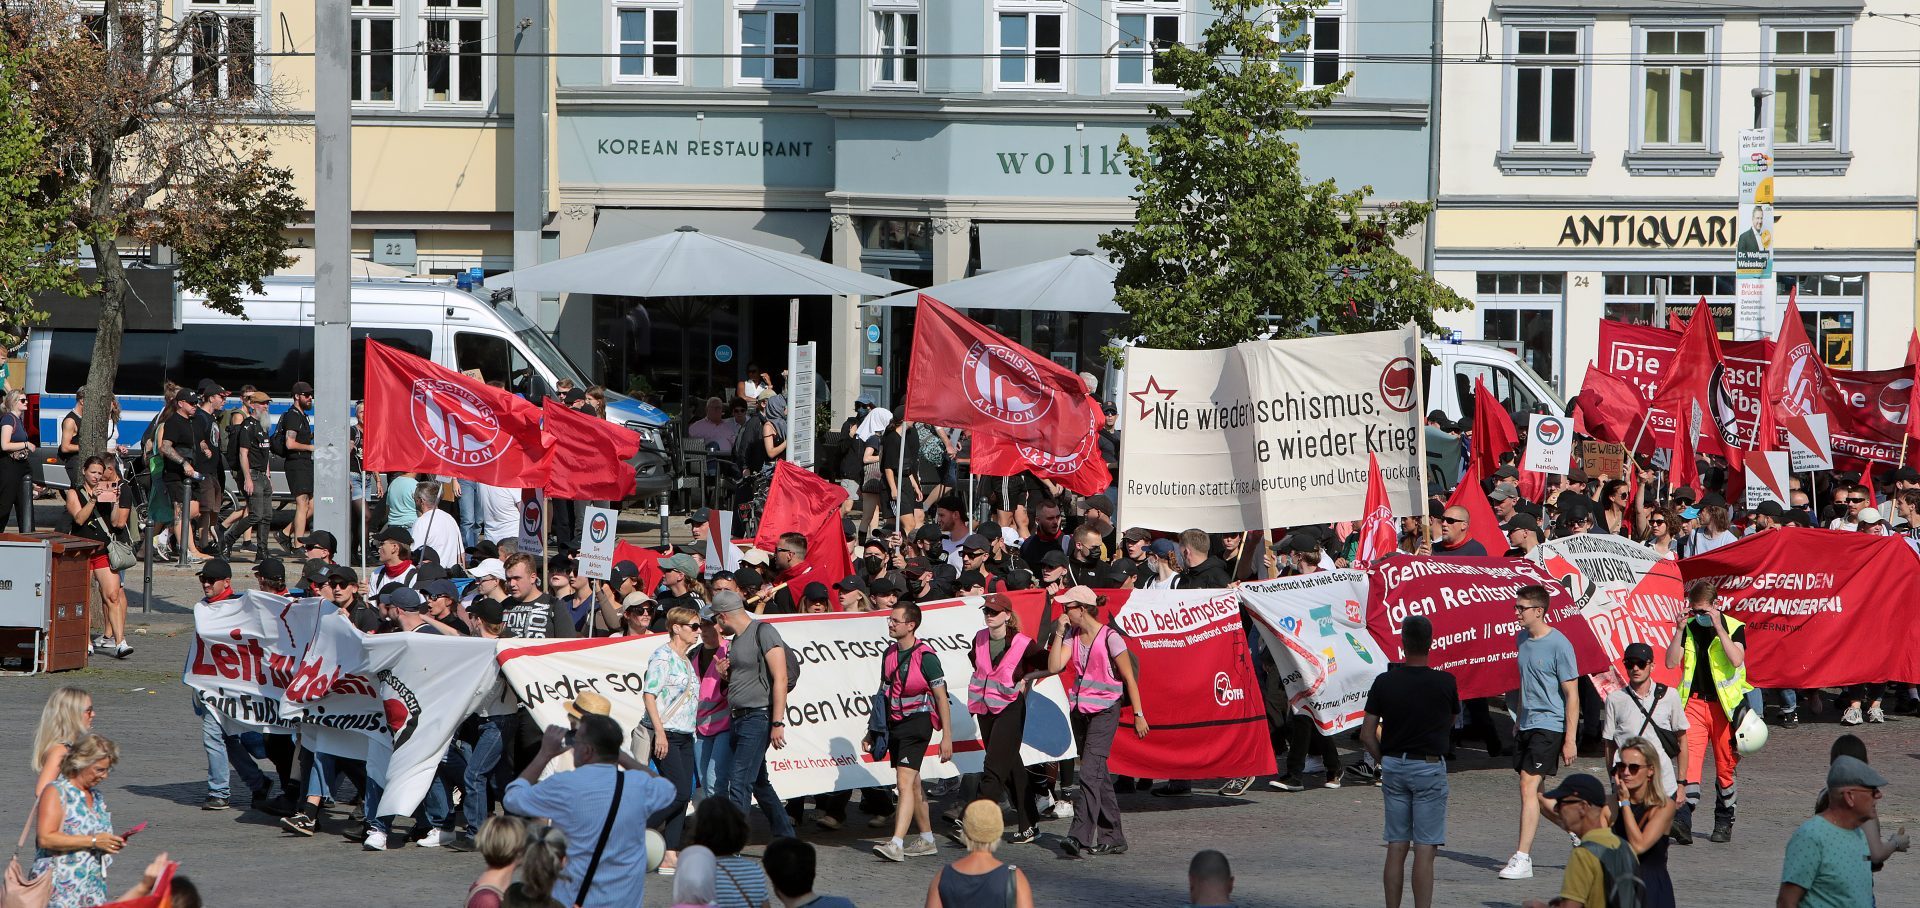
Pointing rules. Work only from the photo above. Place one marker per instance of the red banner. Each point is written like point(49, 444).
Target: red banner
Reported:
point(1646, 357)
point(424, 418)
point(801, 502)
point(965, 375)
point(1824, 608)
point(1482, 524)
point(587, 456)
point(1874, 415)
point(1470, 602)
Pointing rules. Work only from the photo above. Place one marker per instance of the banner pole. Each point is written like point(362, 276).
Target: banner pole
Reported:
point(1420, 416)
point(546, 508)
point(900, 479)
point(1239, 555)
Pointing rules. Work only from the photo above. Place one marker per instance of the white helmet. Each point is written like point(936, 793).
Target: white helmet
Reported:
point(1750, 733)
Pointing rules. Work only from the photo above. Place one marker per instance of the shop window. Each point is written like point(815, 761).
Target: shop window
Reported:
point(1675, 87)
point(896, 43)
point(1031, 36)
point(221, 47)
point(770, 41)
point(1808, 81)
point(1832, 308)
point(375, 23)
point(455, 58)
point(1632, 298)
point(1144, 30)
point(647, 34)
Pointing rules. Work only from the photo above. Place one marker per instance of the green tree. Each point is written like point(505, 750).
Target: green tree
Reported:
point(1232, 241)
point(164, 140)
point(37, 235)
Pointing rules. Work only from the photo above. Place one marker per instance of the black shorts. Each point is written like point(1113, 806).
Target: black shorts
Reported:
point(300, 477)
point(206, 490)
point(180, 494)
point(1538, 751)
point(907, 740)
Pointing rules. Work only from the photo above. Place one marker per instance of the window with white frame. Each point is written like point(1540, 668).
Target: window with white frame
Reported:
point(93, 18)
point(1145, 29)
point(770, 41)
point(455, 54)
point(647, 36)
point(1325, 60)
point(375, 24)
point(1807, 70)
point(222, 49)
point(1675, 87)
point(896, 43)
point(1546, 87)
point(1031, 36)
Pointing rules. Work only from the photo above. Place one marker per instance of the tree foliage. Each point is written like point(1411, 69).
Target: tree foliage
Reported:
point(162, 144)
point(1232, 241)
point(37, 234)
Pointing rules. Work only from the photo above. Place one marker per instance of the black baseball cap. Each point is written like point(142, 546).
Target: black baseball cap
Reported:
point(699, 516)
point(851, 583)
point(440, 589)
point(1638, 652)
point(1100, 503)
point(394, 534)
point(816, 592)
point(492, 611)
point(929, 533)
point(320, 539)
point(970, 579)
point(301, 387)
point(271, 569)
point(314, 571)
point(976, 543)
point(623, 570)
point(1506, 473)
point(400, 597)
point(186, 396)
point(216, 569)
point(1053, 558)
point(1582, 786)
point(1771, 508)
point(883, 586)
point(341, 575)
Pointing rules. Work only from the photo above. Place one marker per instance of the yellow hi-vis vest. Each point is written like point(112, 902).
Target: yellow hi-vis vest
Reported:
point(1729, 683)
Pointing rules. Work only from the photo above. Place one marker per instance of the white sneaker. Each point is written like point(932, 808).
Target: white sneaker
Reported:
point(376, 841)
point(1876, 715)
point(434, 838)
point(1519, 867)
point(1851, 716)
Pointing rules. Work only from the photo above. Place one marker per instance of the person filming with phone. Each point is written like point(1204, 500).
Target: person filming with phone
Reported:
point(1710, 649)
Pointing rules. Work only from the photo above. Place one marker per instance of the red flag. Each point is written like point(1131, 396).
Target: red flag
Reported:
point(424, 418)
point(647, 560)
point(1083, 472)
point(586, 456)
point(1378, 535)
point(1003, 388)
point(1797, 385)
point(801, 502)
point(1684, 470)
point(1675, 324)
point(1695, 393)
point(1482, 524)
point(1493, 432)
point(1913, 395)
point(160, 897)
point(1608, 408)
point(1532, 485)
point(1866, 482)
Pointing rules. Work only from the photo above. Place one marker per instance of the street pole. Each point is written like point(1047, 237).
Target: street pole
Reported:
point(332, 245)
point(529, 146)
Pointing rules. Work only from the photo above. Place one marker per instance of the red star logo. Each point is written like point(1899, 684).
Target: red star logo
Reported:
point(1152, 388)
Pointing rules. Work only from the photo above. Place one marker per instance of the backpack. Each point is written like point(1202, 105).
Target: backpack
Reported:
point(748, 450)
point(793, 659)
point(278, 443)
point(232, 446)
point(932, 451)
point(1620, 873)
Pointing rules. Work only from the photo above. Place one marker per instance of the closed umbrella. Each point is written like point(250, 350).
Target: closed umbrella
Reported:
point(1079, 282)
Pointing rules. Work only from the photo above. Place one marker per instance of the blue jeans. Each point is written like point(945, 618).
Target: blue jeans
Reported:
point(450, 774)
point(319, 769)
point(226, 754)
point(370, 805)
point(477, 790)
point(470, 517)
point(747, 774)
point(712, 760)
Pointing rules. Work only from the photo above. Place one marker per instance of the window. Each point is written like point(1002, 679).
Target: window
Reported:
point(132, 38)
point(1513, 394)
point(1832, 309)
point(647, 36)
point(1521, 313)
point(1631, 298)
point(1674, 91)
point(896, 31)
point(1546, 87)
point(1146, 28)
point(498, 360)
point(374, 24)
point(1326, 43)
point(1030, 45)
point(455, 51)
point(1806, 86)
point(770, 44)
point(221, 47)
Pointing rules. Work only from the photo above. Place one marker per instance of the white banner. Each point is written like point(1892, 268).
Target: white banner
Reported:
point(826, 711)
point(1269, 433)
point(428, 685)
point(1626, 592)
point(1549, 444)
point(256, 661)
point(1315, 630)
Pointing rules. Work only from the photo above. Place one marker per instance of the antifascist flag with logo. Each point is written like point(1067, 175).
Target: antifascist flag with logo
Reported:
point(1696, 392)
point(967, 376)
point(1493, 432)
point(1378, 536)
point(1797, 386)
point(424, 418)
point(1082, 471)
point(586, 456)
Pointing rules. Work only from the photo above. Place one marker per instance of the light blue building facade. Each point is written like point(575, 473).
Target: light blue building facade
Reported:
point(923, 140)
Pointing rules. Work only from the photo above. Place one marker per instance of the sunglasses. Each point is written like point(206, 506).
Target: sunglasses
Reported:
point(1634, 663)
point(1856, 501)
point(1628, 768)
point(1452, 520)
point(1658, 521)
point(973, 553)
point(1523, 608)
point(1565, 803)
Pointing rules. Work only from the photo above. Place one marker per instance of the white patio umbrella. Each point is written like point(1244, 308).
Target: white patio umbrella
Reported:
point(359, 268)
point(687, 262)
point(1079, 282)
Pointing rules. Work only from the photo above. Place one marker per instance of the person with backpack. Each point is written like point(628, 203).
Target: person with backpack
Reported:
point(1644, 709)
point(760, 669)
point(1602, 872)
point(293, 442)
point(915, 692)
point(1104, 672)
point(251, 472)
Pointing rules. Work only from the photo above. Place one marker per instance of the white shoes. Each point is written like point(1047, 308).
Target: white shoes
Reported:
point(434, 838)
point(376, 841)
point(1519, 867)
point(1851, 716)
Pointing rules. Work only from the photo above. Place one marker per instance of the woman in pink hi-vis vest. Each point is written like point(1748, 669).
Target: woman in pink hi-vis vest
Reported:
point(1101, 677)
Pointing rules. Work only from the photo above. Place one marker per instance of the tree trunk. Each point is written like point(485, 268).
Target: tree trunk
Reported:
point(96, 424)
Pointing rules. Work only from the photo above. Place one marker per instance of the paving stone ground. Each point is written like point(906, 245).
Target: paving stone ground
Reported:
point(1314, 848)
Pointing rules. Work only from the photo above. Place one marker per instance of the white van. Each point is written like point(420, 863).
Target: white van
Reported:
point(272, 348)
point(1448, 388)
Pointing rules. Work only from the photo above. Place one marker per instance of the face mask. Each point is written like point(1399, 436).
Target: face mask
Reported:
point(874, 563)
point(1703, 620)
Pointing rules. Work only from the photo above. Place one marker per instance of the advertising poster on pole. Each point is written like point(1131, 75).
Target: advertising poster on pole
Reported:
point(800, 402)
point(1753, 314)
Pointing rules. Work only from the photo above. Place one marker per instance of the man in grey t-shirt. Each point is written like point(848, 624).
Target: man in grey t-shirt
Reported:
point(1548, 716)
point(756, 670)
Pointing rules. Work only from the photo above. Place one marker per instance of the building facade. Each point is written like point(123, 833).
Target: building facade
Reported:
point(920, 140)
point(1606, 172)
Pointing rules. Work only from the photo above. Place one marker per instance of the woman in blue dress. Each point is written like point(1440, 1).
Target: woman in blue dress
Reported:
point(75, 839)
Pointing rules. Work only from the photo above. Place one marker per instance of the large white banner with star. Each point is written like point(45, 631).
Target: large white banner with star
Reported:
point(1269, 433)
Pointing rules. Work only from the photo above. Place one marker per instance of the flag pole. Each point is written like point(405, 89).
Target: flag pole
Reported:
point(1420, 436)
point(1239, 555)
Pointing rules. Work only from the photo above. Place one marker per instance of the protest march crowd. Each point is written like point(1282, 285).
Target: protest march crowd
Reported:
point(945, 624)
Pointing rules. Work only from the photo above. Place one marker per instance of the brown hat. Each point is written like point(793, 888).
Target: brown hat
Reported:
point(982, 823)
point(256, 397)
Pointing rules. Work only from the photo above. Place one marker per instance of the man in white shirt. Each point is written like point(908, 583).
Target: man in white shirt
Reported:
point(437, 529)
point(1635, 711)
point(499, 513)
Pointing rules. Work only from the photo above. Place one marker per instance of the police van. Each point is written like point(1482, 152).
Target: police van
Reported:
point(272, 348)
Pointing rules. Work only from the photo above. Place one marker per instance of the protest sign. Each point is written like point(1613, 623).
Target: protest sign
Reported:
point(1626, 592)
point(1809, 458)
point(1197, 683)
point(1646, 357)
point(1603, 458)
point(1766, 476)
point(254, 662)
point(827, 710)
point(533, 504)
point(1824, 608)
point(1470, 602)
point(1269, 433)
point(1315, 630)
point(596, 543)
